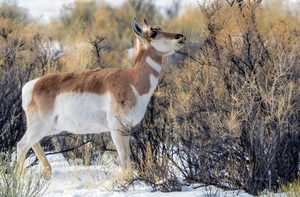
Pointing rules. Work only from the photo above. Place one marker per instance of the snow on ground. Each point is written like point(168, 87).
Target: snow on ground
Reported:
point(75, 180)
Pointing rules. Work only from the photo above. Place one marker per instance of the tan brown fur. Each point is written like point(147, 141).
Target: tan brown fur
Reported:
point(115, 80)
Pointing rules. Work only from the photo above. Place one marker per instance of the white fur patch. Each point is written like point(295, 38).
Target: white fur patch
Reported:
point(153, 64)
point(137, 113)
point(81, 112)
point(27, 93)
point(164, 45)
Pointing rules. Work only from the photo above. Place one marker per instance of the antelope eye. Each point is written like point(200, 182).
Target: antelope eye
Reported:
point(153, 34)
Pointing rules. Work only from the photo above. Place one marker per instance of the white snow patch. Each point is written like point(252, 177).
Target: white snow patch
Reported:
point(91, 181)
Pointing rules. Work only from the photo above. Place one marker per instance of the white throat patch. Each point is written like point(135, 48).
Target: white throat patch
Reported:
point(153, 64)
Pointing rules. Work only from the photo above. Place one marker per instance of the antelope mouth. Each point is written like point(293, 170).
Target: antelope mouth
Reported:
point(181, 42)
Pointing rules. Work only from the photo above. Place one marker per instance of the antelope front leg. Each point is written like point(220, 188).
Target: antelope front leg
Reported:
point(122, 144)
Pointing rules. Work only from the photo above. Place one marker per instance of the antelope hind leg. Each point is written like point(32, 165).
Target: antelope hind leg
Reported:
point(43, 159)
point(22, 149)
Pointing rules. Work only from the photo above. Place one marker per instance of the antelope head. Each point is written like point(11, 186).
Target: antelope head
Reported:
point(164, 42)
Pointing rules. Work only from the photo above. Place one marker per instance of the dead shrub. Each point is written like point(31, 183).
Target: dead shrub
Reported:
point(232, 119)
point(21, 59)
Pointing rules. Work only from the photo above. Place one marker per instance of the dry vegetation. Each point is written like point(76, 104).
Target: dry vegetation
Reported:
point(230, 117)
point(12, 186)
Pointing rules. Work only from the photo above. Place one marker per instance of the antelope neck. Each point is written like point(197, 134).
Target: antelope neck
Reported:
point(149, 60)
point(147, 66)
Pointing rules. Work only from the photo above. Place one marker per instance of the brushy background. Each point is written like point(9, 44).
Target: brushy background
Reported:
point(227, 116)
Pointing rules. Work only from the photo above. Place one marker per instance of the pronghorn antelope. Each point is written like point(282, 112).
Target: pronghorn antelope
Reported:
point(96, 101)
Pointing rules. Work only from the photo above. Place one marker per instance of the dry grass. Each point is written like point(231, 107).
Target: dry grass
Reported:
point(77, 57)
point(291, 189)
point(12, 185)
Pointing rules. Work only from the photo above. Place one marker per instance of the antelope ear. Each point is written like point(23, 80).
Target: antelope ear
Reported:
point(145, 24)
point(137, 28)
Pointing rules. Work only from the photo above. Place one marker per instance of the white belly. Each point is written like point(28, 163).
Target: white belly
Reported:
point(84, 113)
point(81, 112)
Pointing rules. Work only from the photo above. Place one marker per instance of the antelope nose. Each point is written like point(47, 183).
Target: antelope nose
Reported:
point(180, 37)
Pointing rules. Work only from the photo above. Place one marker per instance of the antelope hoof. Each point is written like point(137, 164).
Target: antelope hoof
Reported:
point(47, 174)
point(127, 173)
point(20, 171)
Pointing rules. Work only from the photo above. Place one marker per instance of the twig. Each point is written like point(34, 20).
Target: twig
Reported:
point(190, 56)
